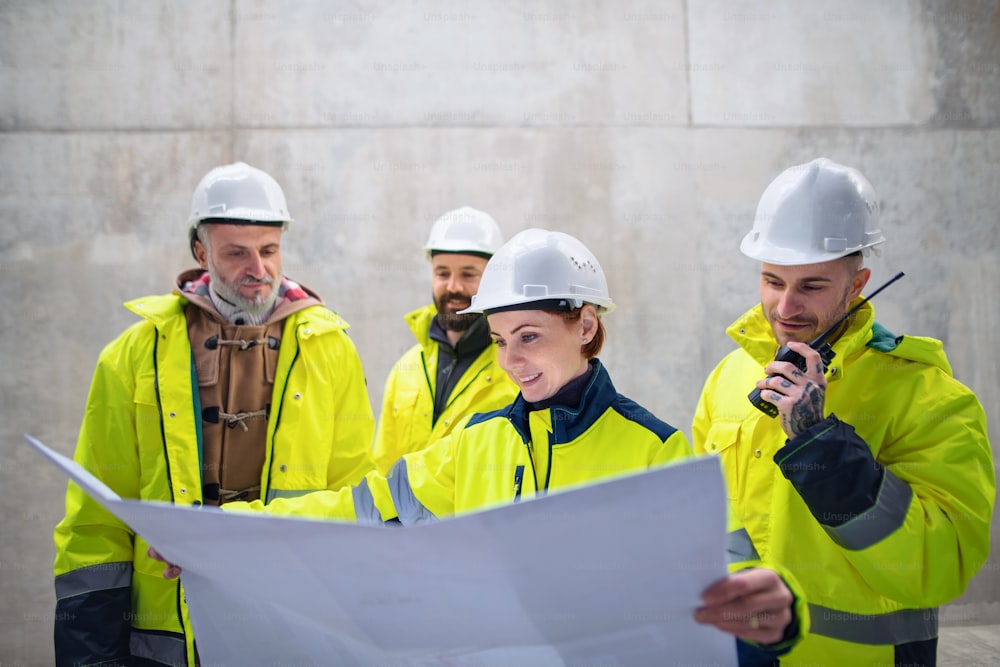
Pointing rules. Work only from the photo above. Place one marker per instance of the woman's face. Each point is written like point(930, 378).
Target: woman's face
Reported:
point(541, 351)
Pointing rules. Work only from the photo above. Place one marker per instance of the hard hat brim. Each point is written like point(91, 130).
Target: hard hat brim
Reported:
point(539, 303)
point(771, 254)
point(240, 217)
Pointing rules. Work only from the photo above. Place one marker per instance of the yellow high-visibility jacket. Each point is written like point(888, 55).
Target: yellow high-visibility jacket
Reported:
point(882, 510)
point(500, 457)
point(503, 456)
point(141, 436)
point(406, 423)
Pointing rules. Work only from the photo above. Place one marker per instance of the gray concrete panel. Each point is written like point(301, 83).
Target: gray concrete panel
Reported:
point(150, 65)
point(122, 189)
point(765, 63)
point(472, 64)
point(966, 63)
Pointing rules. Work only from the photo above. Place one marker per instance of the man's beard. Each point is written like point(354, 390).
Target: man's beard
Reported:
point(449, 320)
point(231, 293)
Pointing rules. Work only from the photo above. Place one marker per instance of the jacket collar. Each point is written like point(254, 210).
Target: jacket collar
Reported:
point(753, 333)
point(419, 322)
point(568, 423)
point(471, 344)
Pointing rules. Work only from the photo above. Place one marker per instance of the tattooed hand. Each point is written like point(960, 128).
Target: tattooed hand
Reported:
point(798, 396)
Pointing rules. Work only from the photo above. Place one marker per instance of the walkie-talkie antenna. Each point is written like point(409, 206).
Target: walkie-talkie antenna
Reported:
point(833, 327)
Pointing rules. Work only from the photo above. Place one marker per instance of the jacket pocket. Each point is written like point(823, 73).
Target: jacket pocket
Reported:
point(721, 441)
point(149, 443)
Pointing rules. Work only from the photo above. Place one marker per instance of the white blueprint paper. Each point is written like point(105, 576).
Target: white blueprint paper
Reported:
point(607, 574)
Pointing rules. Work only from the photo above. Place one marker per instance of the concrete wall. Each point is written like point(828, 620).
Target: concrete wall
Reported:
point(648, 129)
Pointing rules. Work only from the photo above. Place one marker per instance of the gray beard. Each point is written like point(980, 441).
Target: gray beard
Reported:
point(231, 294)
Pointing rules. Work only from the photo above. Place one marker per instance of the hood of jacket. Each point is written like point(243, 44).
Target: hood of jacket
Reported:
point(419, 322)
point(161, 309)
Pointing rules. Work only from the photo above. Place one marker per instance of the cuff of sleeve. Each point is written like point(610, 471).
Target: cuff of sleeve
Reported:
point(833, 470)
point(799, 625)
point(799, 455)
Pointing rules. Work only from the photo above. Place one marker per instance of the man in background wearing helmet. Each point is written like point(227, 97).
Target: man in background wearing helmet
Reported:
point(874, 485)
point(452, 370)
point(239, 385)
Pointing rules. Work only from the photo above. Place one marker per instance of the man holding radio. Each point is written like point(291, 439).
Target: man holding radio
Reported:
point(873, 483)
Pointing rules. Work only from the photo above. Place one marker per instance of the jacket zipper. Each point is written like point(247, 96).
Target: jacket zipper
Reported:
point(531, 460)
point(518, 479)
point(276, 414)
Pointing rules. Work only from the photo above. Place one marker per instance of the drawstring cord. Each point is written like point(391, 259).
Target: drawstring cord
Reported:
point(226, 495)
point(271, 342)
point(243, 344)
point(241, 417)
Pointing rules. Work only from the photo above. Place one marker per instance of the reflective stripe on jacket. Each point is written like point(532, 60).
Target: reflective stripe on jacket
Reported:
point(881, 511)
point(406, 423)
point(141, 436)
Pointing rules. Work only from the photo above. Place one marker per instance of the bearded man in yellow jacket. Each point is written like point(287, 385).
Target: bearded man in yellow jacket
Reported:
point(452, 370)
point(238, 386)
point(873, 481)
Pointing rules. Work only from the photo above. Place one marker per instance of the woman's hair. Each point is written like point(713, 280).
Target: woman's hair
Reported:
point(592, 348)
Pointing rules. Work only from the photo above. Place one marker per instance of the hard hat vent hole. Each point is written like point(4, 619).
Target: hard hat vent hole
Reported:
point(584, 265)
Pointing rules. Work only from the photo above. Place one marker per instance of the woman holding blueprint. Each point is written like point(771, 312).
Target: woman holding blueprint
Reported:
point(544, 294)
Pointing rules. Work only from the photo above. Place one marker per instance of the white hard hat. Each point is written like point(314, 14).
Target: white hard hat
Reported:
point(539, 265)
point(239, 192)
point(464, 229)
point(814, 213)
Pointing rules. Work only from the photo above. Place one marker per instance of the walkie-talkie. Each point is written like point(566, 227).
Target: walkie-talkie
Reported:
point(826, 352)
